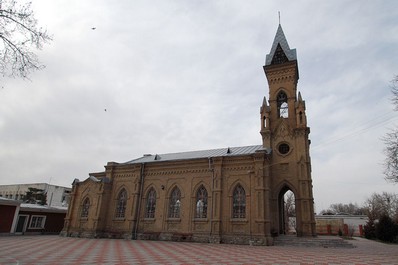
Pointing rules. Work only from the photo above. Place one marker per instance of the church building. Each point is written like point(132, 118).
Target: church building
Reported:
point(229, 195)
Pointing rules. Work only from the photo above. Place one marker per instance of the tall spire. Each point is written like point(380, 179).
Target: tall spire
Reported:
point(280, 46)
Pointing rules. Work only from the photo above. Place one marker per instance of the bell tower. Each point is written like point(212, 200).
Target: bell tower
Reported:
point(284, 130)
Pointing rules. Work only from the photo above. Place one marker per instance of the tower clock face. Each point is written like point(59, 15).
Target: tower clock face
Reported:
point(283, 148)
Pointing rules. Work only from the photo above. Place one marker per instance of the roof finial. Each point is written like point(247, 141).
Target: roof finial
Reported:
point(279, 15)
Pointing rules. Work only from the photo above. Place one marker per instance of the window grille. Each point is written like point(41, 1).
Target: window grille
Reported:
point(121, 204)
point(239, 202)
point(201, 202)
point(150, 204)
point(175, 203)
point(85, 208)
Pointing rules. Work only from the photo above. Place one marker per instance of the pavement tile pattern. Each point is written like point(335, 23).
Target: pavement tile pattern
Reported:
point(66, 250)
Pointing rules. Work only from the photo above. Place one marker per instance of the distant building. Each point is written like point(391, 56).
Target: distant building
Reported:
point(22, 218)
point(351, 225)
point(57, 196)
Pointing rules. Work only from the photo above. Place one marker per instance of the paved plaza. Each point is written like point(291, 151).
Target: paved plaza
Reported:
point(66, 250)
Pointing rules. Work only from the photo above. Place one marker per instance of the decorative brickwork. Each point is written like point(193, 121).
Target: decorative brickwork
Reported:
point(241, 189)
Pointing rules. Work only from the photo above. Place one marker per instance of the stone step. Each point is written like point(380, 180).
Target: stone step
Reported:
point(321, 241)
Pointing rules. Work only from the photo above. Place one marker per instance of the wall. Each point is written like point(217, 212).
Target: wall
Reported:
point(331, 224)
point(7, 217)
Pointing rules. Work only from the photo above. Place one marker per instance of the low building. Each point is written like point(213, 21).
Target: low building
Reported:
point(22, 218)
point(57, 196)
point(348, 225)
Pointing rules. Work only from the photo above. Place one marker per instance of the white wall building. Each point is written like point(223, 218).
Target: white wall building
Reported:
point(56, 195)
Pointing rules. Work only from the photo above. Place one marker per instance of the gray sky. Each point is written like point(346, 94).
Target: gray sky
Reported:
point(187, 75)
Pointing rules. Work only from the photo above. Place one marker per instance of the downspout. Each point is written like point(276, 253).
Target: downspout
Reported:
point(212, 197)
point(139, 202)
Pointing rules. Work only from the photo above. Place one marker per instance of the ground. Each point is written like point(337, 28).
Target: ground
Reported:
point(66, 250)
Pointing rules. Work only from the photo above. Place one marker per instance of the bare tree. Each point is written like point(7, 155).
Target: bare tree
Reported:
point(340, 208)
point(391, 142)
point(394, 90)
point(382, 204)
point(20, 34)
point(290, 212)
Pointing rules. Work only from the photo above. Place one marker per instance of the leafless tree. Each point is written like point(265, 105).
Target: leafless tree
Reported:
point(20, 35)
point(394, 90)
point(340, 208)
point(382, 204)
point(290, 211)
point(391, 142)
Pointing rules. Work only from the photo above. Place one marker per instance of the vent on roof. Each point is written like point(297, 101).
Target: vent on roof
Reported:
point(157, 157)
point(229, 151)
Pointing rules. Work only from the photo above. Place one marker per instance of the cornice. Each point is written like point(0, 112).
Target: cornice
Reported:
point(154, 172)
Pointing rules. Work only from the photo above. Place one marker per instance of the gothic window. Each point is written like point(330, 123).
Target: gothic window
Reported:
point(175, 203)
point(201, 202)
point(150, 204)
point(279, 56)
point(85, 208)
point(121, 204)
point(283, 110)
point(239, 202)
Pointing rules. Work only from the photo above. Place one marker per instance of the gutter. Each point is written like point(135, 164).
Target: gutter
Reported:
point(138, 212)
point(212, 196)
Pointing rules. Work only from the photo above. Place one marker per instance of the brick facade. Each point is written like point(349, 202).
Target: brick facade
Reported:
point(244, 186)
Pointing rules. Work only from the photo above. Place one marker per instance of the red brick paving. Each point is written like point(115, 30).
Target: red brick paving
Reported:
point(66, 250)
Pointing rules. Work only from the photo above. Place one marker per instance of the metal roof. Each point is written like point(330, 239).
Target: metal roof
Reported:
point(281, 39)
point(228, 151)
point(42, 208)
point(6, 201)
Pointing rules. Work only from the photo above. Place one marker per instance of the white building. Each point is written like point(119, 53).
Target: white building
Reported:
point(56, 195)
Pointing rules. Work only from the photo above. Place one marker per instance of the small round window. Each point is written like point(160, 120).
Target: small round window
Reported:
point(283, 149)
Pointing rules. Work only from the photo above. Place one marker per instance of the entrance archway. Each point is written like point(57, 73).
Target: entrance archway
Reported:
point(287, 211)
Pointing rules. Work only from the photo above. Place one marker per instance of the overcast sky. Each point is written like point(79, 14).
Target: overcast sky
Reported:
point(179, 76)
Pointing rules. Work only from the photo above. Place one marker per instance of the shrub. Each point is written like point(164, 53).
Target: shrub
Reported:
point(386, 229)
point(370, 229)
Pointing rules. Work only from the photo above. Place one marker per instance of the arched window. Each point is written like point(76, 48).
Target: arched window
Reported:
point(239, 202)
point(121, 204)
point(283, 110)
point(85, 208)
point(201, 202)
point(150, 204)
point(175, 203)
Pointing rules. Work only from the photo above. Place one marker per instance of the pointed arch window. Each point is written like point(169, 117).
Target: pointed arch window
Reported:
point(121, 204)
point(201, 202)
point(150, 204)
point(85, 208)
point(175, 203)
point(239, 202)
point(283, 110)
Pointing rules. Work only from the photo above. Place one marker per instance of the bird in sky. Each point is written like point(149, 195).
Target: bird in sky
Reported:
point(93, 28)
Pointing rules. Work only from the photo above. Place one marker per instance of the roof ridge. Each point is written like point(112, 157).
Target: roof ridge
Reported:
point(238, 150)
